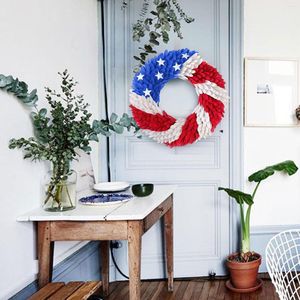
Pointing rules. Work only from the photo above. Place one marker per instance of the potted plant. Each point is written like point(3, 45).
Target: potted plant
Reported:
point(243, 266)
point(59, 134)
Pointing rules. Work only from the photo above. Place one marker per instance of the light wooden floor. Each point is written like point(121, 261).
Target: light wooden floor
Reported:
point(196, 289)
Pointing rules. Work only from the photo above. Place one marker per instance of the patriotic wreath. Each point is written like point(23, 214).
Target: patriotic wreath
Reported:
point(158, 124)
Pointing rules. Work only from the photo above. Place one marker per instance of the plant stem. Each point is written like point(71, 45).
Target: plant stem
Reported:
point(246, 223)
point(246, 232)
point(69, 196)
point(58, 180)
point(242, 217)
point(253, 195)
point(49, 193)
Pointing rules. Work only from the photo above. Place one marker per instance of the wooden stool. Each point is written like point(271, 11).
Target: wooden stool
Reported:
point(75, 290)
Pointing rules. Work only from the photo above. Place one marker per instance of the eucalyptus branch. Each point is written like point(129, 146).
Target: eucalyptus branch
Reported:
point(66, 127)
point(166, 15)
point(19, 89)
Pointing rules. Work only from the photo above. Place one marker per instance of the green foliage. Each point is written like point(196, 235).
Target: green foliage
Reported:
point(59, 133)
point(286, 167)
point(66, 127)
point(116, 124)
point(239, 196)
point(18, 89)
point(166, 15)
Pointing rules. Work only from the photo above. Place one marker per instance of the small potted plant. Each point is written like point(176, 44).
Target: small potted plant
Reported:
point(59, 134)
point(243, 266)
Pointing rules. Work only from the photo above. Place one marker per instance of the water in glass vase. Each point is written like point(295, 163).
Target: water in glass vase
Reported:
point(60, 192)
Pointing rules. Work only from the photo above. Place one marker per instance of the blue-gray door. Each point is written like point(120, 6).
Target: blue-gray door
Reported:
point(201, 213)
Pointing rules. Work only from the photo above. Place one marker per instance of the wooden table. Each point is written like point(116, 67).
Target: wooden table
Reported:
point(125, 221)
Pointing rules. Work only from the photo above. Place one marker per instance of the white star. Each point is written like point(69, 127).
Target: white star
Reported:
point(147, 92)
point(140, 76)
point(185, 55)
point(176, 67)
point(159, 75)
point(161, 62)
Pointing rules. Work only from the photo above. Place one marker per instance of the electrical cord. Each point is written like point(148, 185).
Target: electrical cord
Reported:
point(105, 87)
point(107, 119)
point(114, 261)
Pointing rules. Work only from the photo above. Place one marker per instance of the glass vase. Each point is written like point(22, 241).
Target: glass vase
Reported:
point(60, 189)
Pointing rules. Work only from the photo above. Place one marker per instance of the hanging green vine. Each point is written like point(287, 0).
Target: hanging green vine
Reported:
point(157, 24)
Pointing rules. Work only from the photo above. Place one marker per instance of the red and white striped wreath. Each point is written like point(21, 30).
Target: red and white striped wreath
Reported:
point(158, 124)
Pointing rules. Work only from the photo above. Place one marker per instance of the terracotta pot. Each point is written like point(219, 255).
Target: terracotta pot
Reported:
point(243, 274)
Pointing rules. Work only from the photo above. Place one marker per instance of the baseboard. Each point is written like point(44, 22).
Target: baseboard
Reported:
point(81, 265)
point(260, 236)
point(272, 229)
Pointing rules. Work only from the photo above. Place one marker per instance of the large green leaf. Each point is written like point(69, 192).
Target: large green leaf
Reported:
point(288, 167)
point(239, 196)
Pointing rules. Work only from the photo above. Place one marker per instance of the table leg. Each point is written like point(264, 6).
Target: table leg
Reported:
point(45, 253)
point(168, 228)
point(134, 258)
point(104, 251)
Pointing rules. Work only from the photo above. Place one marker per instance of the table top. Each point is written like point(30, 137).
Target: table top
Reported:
point(135, 209)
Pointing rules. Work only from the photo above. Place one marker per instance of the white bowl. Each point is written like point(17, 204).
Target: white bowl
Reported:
point(114, 186)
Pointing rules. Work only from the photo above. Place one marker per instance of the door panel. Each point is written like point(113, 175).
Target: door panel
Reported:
point(201, 213)
point(202, 155)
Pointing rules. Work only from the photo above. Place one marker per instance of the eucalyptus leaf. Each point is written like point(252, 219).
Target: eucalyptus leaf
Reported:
point(113, 118)
point(23, 86)
point(104, 132)
point(33, 114)
point(86, 149)
point(94, 137)
point(125, 121)
point(3, 81)
point(43, 112)
point(137, 58)
point(153, 41)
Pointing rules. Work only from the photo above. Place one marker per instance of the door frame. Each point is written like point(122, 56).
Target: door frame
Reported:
point(236, 153)
point(236, 92)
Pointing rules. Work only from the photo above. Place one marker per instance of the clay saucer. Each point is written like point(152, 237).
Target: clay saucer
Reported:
point(243, 291)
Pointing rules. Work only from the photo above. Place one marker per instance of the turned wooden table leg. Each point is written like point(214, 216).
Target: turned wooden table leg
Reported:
point(104, 251)
point(134, 258)
point(168, 228)
point(45, 253)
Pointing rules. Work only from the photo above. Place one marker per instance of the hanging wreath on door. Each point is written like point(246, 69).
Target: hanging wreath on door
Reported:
point(145, 97)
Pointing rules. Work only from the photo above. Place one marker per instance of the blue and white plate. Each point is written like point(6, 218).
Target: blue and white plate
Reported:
point(105, 199)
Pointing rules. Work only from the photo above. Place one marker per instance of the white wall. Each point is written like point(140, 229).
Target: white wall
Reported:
point(38, 38)
point(272, 30)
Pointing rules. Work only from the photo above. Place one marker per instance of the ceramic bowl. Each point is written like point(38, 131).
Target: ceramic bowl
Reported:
point(143, 189)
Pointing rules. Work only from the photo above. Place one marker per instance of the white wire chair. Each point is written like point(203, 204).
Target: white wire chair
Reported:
point(283, 263)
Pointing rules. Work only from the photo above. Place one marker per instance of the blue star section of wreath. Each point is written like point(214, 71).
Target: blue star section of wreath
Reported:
point(158, 71)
